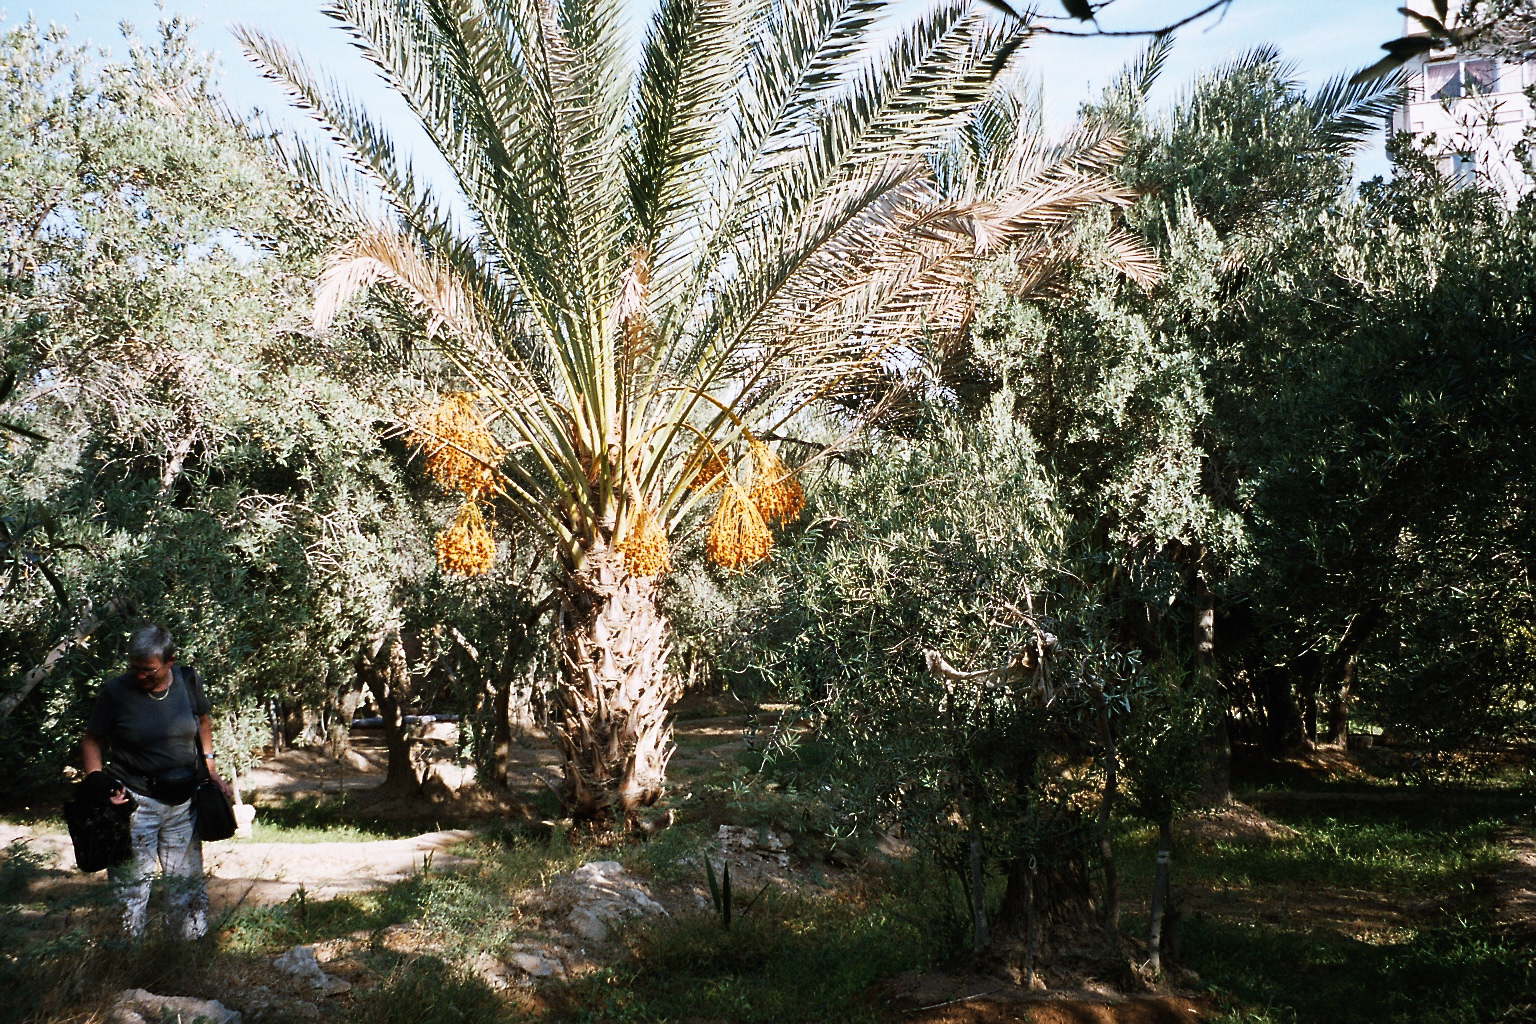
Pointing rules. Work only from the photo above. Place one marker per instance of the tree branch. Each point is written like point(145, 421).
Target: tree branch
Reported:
point(87, 625)
point(1156, 33)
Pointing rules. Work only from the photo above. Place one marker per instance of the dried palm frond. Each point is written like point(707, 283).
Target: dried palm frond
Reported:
point(738, 537)
point(644, 547)
point(467, 547)
point(428, 282)
point(631, 311)
point(775, 491)
point(461, 452)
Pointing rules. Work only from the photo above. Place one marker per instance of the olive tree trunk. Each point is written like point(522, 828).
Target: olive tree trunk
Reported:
point(1048, 910)
point(609, 710)
point(383, 665)
point(1159, 895)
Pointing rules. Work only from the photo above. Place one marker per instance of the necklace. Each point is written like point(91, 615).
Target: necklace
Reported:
point(159, 696)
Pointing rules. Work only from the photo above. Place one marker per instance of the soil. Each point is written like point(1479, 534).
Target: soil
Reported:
point(1513, 887)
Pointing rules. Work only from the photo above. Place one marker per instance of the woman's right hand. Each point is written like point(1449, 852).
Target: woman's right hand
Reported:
point(101, 786)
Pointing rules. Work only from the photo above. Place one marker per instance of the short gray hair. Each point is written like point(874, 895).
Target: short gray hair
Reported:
point(152, 641)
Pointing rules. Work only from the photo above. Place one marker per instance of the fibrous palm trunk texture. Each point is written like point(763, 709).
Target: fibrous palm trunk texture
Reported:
point(610, 708)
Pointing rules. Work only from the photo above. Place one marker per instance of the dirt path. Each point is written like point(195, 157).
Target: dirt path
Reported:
point(261, 874)
point(242, 872)
point(1514, 885)
point(266, 873)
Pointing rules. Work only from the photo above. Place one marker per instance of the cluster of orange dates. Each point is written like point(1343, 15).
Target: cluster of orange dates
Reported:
point(461, 454)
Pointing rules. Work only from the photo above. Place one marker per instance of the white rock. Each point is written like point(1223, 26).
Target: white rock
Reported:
point(135, 1006)
point(587, 923)
point(301, 963)
point(490, 970)
point(534, 965)
point(598, 871)
point(646, 905)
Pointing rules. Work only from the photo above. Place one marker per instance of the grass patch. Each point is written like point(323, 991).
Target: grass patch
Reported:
point(674, 856)
point(793, 958)
point(1469, 774)
point(62, 956)
point(302, 919)
point(1459, 972)
point(426, 990)
point(308, 819)
point(464, 911)
point(1434, 967)
point(1408, 850)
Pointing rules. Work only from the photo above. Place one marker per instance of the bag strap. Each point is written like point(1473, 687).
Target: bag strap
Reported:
point(197, 725)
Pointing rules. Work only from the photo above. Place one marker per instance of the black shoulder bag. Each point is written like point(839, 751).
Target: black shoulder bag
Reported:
point(213, 817)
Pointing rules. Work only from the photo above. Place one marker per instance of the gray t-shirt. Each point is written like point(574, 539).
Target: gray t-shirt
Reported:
point(149, 734)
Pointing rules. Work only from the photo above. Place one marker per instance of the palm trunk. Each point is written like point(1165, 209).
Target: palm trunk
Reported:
point(610, 711)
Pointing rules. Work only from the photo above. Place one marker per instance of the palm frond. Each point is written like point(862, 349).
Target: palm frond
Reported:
point(1130, 256)
point(751, 219)
point(1347, 112)
point(1138, 77)
point(690, 61)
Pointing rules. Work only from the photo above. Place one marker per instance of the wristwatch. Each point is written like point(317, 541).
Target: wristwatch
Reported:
point(207, 757)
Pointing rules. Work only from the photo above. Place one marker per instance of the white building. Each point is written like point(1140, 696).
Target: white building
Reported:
point(1475, 108)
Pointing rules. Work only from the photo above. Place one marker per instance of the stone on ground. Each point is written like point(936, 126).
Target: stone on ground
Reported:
point(138, 1006)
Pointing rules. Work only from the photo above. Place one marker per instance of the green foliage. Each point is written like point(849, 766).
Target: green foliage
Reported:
point(1164, 741)
point(1319, 413)
point(1244, 144)
point(1390, 410)
point(719, 892)
point(206, 467)
point(1007, 758)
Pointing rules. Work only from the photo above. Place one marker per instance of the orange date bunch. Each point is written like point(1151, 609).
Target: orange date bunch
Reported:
point(460, 451)
point(644, 545)
point(466, 547)
point(737, 536)
point(708, 469)
point(775, 491)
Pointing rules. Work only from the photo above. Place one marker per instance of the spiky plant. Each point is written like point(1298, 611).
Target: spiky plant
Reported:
point(651, 257)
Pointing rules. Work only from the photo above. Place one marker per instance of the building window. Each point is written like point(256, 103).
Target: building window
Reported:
point(1449, 80)
point(1459, 167)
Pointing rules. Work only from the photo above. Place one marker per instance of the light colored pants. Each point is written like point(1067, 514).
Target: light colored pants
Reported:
point(163, 845)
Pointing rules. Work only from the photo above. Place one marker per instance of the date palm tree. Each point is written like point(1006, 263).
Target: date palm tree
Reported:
point(652, 258)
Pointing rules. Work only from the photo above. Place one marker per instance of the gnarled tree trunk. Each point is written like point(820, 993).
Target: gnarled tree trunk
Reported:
point(610, 709)
point(1048, 909)
point(383, 665)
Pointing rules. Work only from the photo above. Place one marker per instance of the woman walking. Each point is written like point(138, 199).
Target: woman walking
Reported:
point(145, 733)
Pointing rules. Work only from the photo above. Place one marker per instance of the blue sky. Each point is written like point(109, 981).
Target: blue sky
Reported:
point(1322, 37)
